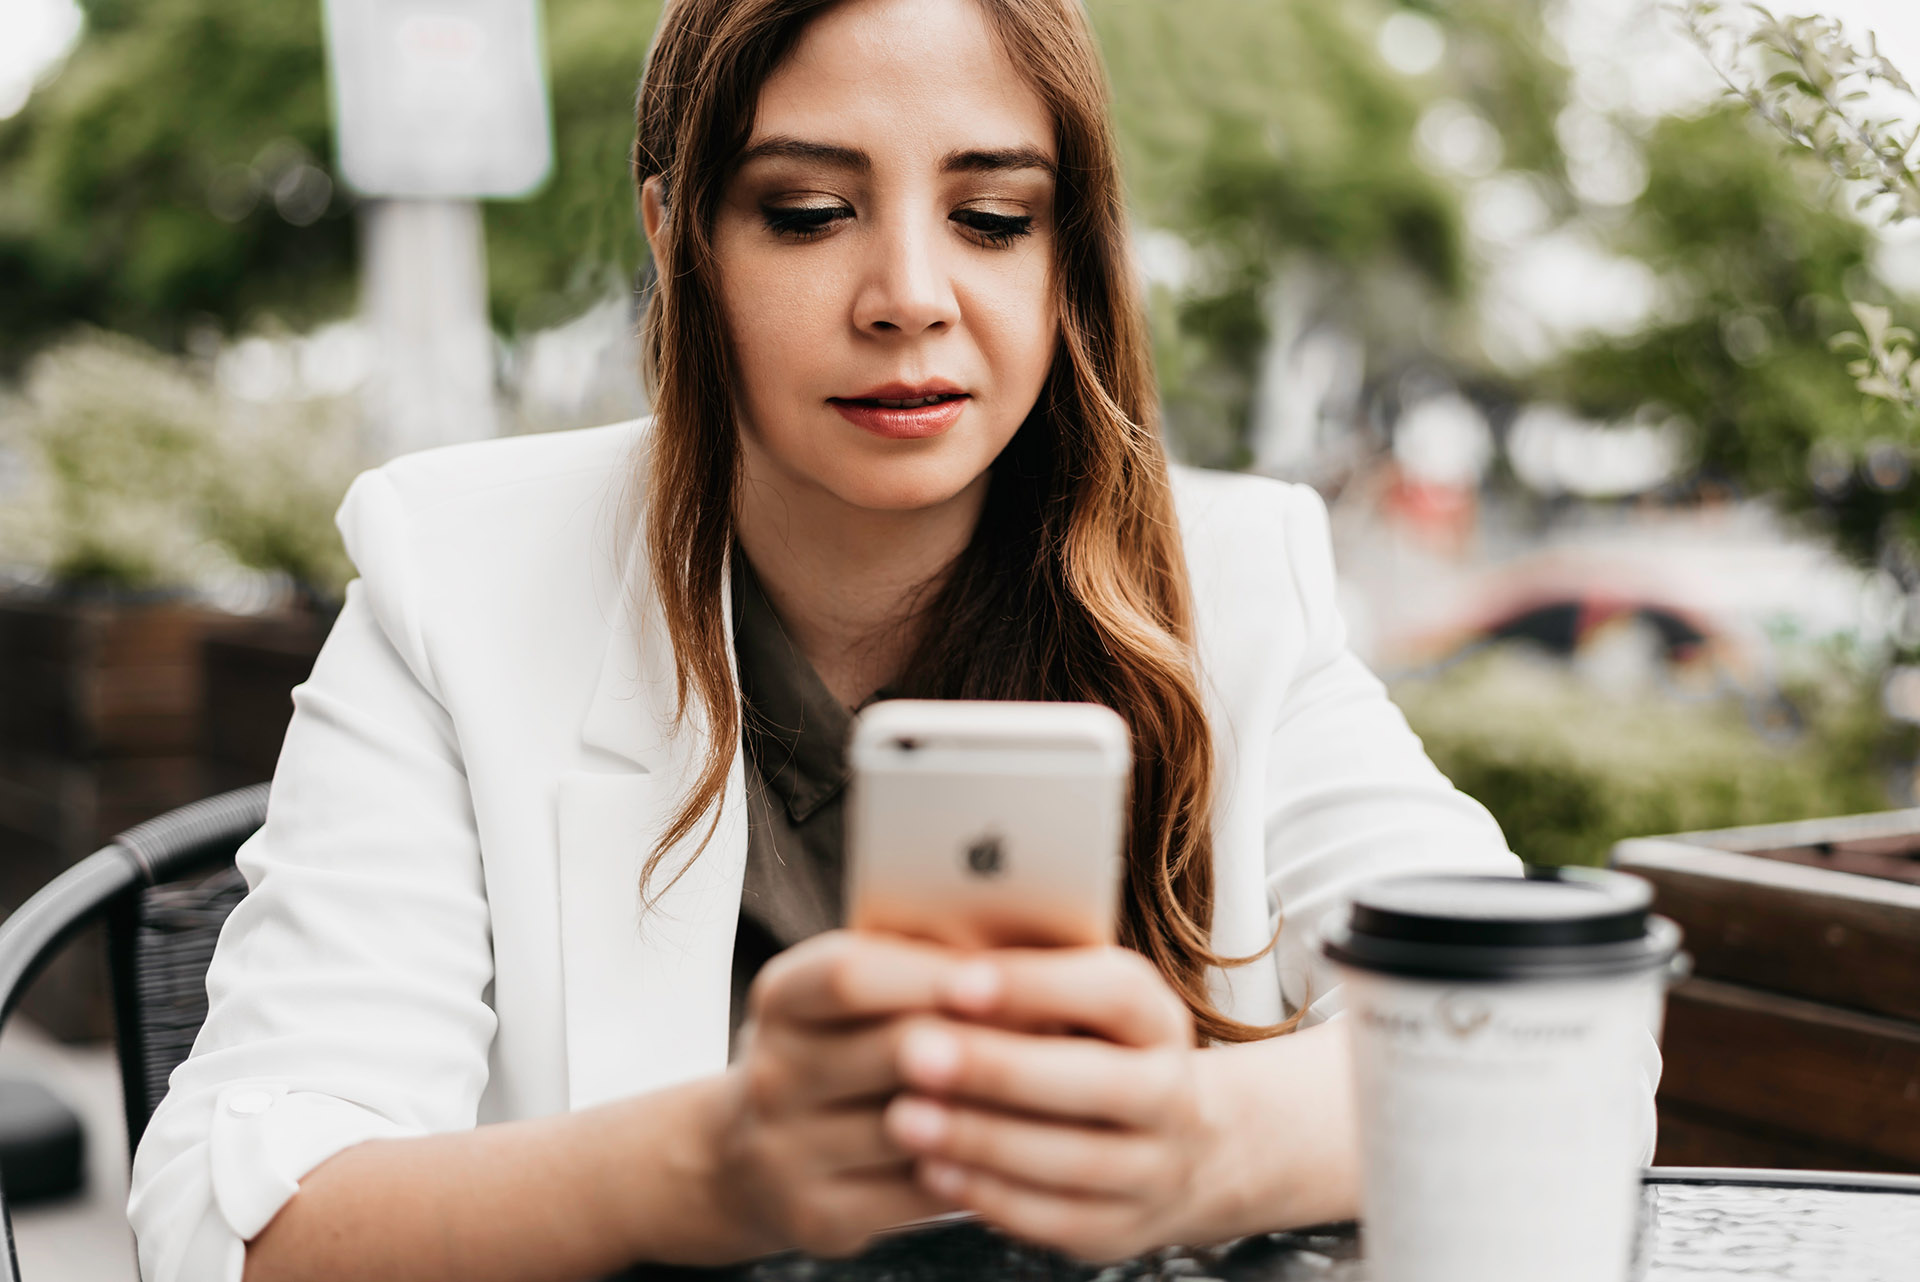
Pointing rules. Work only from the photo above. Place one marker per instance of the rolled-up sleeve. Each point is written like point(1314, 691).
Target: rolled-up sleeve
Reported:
point(1350, 793)
point(347, 999)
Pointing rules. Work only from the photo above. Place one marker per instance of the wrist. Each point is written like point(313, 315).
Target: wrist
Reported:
point(1282, 1148)
point(1223, 1198)
point(730, 1227)
point(679, 1205)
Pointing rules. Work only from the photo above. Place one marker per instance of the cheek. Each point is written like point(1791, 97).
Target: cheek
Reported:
point(1018, 325)
point(777, 316)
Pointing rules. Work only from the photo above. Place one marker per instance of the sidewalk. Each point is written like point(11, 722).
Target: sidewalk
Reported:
point(83, 1238)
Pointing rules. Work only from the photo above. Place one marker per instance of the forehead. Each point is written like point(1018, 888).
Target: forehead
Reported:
point(900, 78)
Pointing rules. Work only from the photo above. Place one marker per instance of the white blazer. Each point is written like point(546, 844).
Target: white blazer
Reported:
point(443, 922)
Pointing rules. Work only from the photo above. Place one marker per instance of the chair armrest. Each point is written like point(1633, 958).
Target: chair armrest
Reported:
point(34, 932)
point(201, 834)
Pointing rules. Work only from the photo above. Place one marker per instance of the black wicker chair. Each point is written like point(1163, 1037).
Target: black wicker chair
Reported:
point(164, 888)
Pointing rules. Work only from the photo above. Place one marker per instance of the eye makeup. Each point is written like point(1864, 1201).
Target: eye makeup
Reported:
point(809, 222)
point(995, 230)
point(802, 222)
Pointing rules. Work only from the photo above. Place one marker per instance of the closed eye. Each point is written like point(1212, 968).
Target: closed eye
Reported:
point(802, 222)
point(996, 230)
point(808, 222)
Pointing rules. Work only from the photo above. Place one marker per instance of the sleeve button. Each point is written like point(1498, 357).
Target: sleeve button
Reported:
point(249, 1103)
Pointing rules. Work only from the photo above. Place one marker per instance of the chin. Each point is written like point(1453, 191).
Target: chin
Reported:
point(903, 484)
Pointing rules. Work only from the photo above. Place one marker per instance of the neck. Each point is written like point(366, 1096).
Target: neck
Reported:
point(846, 580)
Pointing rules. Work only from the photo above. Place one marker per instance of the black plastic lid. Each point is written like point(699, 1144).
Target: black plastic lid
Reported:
point(1553, 923)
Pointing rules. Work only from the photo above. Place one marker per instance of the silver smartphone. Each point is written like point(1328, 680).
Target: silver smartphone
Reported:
point(987, 824)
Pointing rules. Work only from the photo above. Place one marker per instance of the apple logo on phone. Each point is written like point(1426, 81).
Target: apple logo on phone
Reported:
point(983, 856)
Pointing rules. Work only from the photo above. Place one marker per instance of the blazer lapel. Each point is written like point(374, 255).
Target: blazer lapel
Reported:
point(646, 993)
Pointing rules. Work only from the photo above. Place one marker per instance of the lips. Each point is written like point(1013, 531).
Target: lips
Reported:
point(903, 411)
point(904, 404)
point(905, 391)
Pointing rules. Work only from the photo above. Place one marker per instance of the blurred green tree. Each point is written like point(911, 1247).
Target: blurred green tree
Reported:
point(1757, 261)
point(134, 183)
point(167, 176)
point(578, 239)
point(1273, 139)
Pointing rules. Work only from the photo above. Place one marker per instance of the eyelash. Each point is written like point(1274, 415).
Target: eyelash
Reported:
point(802, 222)
point(999, 230)
point(809, 222)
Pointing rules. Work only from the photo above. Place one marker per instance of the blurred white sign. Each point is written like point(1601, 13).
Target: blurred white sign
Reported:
point(439, 98)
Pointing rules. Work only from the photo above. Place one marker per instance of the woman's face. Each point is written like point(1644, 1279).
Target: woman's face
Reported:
point(887, 237)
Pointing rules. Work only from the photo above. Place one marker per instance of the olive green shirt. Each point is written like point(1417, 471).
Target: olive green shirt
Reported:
point(795, 734)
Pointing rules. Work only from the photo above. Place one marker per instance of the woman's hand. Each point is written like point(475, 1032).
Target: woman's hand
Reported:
point(1100, 1145)
point(803, 1158)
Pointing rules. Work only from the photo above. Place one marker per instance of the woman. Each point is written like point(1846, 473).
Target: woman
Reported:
point(475, 1011)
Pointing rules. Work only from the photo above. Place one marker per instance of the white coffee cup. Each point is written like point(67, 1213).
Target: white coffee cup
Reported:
point(1499, 1026)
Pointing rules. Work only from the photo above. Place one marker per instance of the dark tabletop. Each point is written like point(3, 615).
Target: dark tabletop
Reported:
point(1697, 1225)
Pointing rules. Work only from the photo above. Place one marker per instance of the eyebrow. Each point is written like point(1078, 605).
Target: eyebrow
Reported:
point(975, 160)
point(994, 160)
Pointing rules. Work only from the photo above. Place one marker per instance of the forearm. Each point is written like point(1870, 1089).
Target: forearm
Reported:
point(574, 1196)
point(1285, 1149)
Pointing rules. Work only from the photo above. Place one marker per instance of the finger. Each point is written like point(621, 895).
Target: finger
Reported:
point(1113, 992)
point(828, 1064)
point(1095, 1229)
point(1065, 1077)
point(845, 975)
point(845, 1141)
point(1071, 1160)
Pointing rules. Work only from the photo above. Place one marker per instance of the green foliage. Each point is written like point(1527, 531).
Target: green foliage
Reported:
point(1885, 367)
point(1802, 77)
point(578, 239)
point(1806, 79)
point(1497, 62)
point(1756, 262)
point(1568, 770)
point(170, 109)
point(108, 173)
point(1266, 136)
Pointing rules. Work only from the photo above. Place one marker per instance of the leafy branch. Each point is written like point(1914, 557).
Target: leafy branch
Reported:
point(1809, 82)
point(1885, 367)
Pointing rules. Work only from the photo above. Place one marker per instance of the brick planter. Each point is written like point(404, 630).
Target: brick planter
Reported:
point(248, 672)
point(99, 720)
point(1797, 1041)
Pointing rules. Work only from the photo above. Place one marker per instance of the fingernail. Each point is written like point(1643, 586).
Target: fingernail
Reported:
point(921, 1123)
point(929, 1056)
point(974, 986)
point(944, 1179)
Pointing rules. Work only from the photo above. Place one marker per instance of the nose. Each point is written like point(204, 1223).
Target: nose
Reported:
point(907, 288)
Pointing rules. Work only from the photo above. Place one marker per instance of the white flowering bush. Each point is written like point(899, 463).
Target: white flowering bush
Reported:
point(283, 468)
point(127, 469)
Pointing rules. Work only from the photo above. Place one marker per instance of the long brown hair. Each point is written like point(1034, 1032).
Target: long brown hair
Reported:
point(1074, 586)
